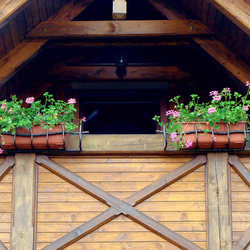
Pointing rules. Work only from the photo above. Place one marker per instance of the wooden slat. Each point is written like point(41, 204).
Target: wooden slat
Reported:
point(239, 167)
point(116, 204)
point(219, 223)
point(23, 229)
point(167, 180)
point(236, 11)
point(6, 166)
point(35, 12)
point(86, 216)
point(109, 73)
point(92, 29)
point(42, 10)
point(118, 226)
point(124, 245)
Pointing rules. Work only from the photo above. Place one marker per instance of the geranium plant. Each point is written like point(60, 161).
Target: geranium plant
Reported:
point(224, 107)
point(48, 114)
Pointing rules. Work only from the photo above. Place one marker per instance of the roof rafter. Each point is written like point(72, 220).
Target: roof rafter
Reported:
point(237, 11)
point(26, 50)
point(213, 47)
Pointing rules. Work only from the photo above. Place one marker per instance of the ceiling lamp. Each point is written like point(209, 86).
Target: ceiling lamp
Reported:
point(119, 9)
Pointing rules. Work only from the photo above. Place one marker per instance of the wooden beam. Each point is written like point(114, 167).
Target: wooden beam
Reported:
point(24, 202)
point(2, 246)
point(19, 57)
point(236, 67)
point(109, 73)
point(98, 29)
point(116, 205)
point(237, 11)
point(6, 166)
point(244, 241)
point(168, 9)
point(10, 9)
point(35, 90)
point(123, 42)
point(27, 50)
point(218, 202)
point(240, 168)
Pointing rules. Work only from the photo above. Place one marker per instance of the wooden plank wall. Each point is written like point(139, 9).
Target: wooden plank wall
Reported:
point(240, 196)
point(5, 207)
point(62, 207)
point(220, 25)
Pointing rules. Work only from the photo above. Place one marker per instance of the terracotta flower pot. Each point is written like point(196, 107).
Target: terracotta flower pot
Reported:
point(225, 140)
point(55, 141)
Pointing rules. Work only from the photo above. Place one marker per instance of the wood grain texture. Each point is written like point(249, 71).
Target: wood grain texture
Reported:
point(27, 50)
point(97, 222)
point(236, 11)
point(218, 202)
point(6, 166)
point(23, 208)
point(92, 29)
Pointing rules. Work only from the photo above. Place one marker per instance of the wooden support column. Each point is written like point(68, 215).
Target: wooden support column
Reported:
point(218, 202)
point(22, 235)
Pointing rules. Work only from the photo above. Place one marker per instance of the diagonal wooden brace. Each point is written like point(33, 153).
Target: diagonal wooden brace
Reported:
point(118, 206)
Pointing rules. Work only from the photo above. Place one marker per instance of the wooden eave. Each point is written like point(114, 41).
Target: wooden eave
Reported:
point(20, 54)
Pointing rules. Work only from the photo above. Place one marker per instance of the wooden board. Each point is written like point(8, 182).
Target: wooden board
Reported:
point(91, 29)
point(23, 229)
point(218, 203)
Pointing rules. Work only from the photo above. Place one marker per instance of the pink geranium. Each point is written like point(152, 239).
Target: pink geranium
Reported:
point(30, 100)
point(72, 101)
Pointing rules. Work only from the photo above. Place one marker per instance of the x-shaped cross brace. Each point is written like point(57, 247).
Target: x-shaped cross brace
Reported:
point(118, 206)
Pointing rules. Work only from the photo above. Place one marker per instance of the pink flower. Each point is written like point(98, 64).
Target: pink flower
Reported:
point(169, 112)
point(72, 101)
point(83, 119)
point(227, 90)
point(174, 137)
point(30, 100)
point(214, 92)
point(211, 110)
point(245, 107)
point(214, 138)
point(173, 113)
point(188, 144)
point(1, 151)
point(217, 97)
point(176, 114)
point(247, 83)
point(3, 105)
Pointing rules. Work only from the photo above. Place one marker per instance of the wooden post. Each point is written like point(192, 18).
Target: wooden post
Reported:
point(22, 235)
point(218, 202)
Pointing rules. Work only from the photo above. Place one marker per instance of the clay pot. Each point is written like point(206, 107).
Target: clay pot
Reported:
point(225, 140)
point(55, 141)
